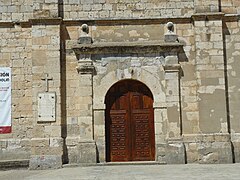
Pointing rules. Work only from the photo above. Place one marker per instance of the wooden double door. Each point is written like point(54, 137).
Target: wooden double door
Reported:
point(129, 122)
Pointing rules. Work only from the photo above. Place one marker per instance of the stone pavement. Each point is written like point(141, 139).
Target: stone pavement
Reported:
point(130, 172)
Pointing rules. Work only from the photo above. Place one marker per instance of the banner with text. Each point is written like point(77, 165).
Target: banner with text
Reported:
point(5, 100)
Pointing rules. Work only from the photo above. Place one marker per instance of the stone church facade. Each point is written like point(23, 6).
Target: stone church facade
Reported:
point(102, 81)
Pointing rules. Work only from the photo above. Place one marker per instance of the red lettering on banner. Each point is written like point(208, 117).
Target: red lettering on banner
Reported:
point(5, 129)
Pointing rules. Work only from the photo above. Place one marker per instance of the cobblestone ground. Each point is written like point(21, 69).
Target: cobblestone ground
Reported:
point(130, 172)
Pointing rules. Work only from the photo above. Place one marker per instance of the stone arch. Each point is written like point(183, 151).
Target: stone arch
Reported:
point(153, 82)
point(101, 85)
point(130, 80)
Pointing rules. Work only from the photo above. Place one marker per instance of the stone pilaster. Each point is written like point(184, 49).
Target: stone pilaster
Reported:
point(81, 147)
point(211, 88)
point(172, 79)
point(85, 69)
point(172, 97)
point(99, 130)
point(46, 142)
point(174, 147)
point(172, 151)
point(210, 73)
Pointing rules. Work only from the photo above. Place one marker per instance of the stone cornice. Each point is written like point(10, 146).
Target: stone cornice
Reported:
point(79, 22)
point(6, 24)
point(231, 17)
point(146, 21)
point(125, 21)
point(208, 16)
point(140, 47)
point(31, 22)
point(50, 21)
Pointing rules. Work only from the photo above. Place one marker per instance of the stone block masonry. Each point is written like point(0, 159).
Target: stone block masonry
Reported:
point(14, 10)
point(102, 9)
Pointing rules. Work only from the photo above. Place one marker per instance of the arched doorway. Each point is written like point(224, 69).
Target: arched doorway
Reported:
point(129, 122)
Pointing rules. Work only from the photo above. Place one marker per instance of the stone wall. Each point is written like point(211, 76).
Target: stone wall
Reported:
point(15, 52)
point(206, 6)
point(46, 144)
point(12, 10)
point(210, 76)
point(189, 102)
point(31, 52)
point(230, 7)
point(20, 10)
point(88, 9)
point(231, 45)
point(15, 10)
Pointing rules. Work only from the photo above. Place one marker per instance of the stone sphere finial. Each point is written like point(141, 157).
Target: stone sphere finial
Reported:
point(85, 38)
point(170, 26)
point(85, 28)
point(170, 36)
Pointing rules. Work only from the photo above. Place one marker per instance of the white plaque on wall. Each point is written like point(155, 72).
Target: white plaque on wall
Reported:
point(46, 107)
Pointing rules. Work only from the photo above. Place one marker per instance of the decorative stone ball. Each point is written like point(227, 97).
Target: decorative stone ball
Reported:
point(170, 26)
point(85, 28)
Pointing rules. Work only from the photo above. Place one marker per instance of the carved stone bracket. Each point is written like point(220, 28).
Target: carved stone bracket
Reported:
point(85, 66)
point(85, 69)
point(172, 68)
point(172, 62)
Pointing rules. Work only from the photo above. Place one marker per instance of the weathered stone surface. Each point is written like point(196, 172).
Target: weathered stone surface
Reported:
point(12, 164)
point(215, 152)
point(175, 153)
point(87, 152)
point(81, 152)
point(236, 149)
point(45, 162)
point(208, 149)
point(171, 153)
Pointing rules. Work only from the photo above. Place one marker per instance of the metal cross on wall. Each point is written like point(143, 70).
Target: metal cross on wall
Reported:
point(46, 79)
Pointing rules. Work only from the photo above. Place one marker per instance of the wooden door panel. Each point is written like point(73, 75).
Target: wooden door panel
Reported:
point(136, 101)
point(123, 102)
point(119, 140)
point(147, 102)
point(143, 142)
point(129, 122)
